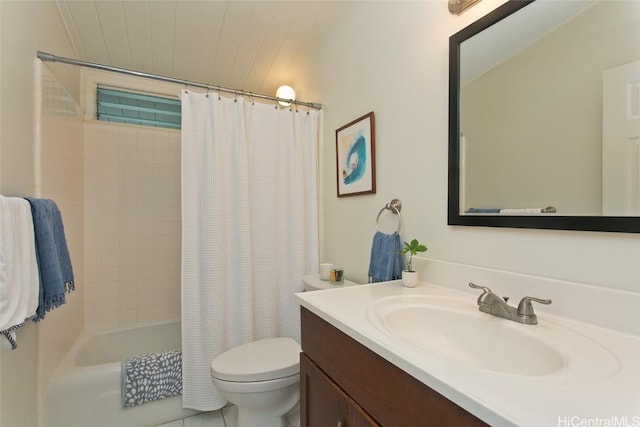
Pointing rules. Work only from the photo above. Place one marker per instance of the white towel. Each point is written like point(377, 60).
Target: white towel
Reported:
point(19, 280)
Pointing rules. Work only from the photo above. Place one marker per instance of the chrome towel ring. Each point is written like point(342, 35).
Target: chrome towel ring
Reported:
point(394, 206)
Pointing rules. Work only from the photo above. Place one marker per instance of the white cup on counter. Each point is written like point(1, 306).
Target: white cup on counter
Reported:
point(325, 271)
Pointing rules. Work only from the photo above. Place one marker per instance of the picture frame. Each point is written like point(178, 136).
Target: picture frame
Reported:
point(355, 157)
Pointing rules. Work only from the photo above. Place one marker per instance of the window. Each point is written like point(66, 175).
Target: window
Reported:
point(136, 108)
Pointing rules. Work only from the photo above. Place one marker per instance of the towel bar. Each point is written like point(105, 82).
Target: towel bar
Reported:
point(394, 206)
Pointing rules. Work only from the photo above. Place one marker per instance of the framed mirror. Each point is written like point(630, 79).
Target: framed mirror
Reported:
point(544, 117)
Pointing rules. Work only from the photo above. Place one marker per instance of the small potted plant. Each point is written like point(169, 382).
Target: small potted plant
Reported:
point(409, 275)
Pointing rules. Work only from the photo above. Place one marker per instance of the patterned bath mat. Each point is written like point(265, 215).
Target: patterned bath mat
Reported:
point(151, 377)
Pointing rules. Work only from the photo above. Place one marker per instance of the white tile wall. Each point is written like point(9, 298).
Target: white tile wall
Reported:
point(59, 156)
point(132, 225)
point(61, 167)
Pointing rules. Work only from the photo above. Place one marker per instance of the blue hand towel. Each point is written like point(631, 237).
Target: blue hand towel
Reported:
point(52, 254)
point(386, 261)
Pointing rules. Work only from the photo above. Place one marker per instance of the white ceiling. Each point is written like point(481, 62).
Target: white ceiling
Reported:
point(254, 46)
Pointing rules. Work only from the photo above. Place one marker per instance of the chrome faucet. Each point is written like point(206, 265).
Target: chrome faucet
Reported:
point(488, 302)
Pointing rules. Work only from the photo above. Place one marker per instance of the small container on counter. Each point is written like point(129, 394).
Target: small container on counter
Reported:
point(336, 276)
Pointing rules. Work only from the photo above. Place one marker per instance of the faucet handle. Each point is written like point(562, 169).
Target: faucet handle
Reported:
point(526, 309)
point(484, 288)
point(485, 295)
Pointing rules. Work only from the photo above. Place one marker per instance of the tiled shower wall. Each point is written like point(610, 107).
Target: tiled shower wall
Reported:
point(132, 225)
point(59, 154)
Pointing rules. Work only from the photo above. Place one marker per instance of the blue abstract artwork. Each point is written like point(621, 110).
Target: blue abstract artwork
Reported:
point(355, 157)
point(356, 160)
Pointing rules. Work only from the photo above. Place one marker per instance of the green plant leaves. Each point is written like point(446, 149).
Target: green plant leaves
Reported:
point(412, 248)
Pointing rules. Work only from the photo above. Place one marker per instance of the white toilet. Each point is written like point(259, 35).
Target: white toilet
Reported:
point(262, 377)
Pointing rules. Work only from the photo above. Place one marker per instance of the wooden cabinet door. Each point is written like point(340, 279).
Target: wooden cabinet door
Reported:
point(358, 417)
point(324, 404)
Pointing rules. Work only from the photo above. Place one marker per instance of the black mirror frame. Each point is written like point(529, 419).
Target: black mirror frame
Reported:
point(623, 224)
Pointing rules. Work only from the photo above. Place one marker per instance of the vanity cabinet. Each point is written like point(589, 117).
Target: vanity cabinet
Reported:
point(326, 404)
point(345, 384)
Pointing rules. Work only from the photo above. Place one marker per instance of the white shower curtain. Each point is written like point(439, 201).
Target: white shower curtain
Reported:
point(249, 228)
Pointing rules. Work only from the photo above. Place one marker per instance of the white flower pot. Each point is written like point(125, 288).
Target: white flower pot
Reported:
point(409, 278)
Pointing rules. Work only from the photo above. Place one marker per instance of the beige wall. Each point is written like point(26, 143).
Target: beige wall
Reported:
point(511, 160)
point(400, 71)
point(25, 27)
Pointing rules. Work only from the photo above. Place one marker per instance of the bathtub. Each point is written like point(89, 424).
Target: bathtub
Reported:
point(85, 390)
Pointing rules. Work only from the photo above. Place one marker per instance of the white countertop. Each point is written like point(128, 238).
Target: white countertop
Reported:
point(317, 283)
point(496, 398)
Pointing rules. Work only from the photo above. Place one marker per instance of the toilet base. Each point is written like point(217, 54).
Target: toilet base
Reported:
point(292, 419)
point(266, 408)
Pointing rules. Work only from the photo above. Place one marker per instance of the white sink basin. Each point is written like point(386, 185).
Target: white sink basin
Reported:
point(455, 329)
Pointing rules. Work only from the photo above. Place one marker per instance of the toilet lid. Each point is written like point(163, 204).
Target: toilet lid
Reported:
point(258, 361)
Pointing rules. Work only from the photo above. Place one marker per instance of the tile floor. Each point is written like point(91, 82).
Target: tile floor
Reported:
point(226, 417)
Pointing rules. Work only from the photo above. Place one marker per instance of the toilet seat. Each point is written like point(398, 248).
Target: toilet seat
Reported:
point(261, 360)
point(255, 386)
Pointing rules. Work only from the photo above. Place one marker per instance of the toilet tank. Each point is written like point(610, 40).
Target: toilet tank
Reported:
point(313, 282)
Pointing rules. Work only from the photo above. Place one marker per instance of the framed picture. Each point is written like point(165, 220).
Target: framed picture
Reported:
point(355, 157)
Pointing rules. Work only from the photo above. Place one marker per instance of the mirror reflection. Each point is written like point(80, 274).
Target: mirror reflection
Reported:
point(550, 112)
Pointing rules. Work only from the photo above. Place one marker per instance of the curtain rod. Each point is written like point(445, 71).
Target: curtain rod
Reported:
point(48, 57)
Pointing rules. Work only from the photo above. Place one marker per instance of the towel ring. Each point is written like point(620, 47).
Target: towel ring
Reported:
point(394, 206)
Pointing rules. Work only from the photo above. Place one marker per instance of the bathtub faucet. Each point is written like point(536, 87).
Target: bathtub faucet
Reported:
point(490, 303)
